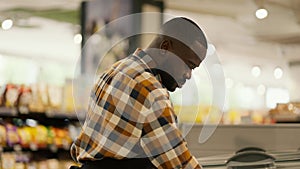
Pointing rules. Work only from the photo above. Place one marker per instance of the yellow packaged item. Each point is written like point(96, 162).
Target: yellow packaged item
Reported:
point(25, 136)
point(2, 136)
point(41, 135)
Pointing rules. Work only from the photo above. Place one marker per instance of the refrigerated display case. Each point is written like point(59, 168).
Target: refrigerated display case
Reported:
point(245, 146)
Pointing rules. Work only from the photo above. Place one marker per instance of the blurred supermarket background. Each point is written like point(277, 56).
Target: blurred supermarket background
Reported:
point(41, 54)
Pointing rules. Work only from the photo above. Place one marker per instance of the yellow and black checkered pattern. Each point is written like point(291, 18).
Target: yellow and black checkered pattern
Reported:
point(130, 116)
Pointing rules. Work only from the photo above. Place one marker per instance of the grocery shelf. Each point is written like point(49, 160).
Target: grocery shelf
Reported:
point(34, 148)
point(9, 112)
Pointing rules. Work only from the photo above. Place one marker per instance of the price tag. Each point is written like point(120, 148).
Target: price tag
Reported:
point(17, 147)
point(23, 109)
point(53, 148)
point(33, 146)
point(50, 113)
point(14, 111)
point(4, 110)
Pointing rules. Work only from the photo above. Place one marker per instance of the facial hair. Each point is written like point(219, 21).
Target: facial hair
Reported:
point(167, 80)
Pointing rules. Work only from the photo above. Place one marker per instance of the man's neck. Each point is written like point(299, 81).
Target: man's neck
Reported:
point(156, 56)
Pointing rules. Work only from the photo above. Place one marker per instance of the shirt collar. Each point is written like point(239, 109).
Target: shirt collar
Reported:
point(150, 64)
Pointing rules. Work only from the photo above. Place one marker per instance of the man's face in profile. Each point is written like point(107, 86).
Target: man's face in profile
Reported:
point(181, 61)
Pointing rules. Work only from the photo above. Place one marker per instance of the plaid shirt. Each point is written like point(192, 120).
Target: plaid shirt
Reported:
point(130, 115)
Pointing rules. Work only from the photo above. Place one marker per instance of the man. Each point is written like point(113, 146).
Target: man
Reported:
point(130, 122)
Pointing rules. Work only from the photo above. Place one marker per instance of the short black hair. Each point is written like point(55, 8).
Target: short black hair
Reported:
point(184, 30)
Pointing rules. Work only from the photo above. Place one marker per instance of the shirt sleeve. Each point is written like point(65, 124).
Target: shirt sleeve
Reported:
point(162, 141)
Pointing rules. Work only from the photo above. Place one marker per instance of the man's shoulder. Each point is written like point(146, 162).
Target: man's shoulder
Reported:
point(148, 80)
point(135, 72)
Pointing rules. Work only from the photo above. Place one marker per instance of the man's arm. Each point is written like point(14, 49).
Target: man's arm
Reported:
point(162, 141)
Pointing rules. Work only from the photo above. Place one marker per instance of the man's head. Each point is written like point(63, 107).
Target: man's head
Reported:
point(182, 47)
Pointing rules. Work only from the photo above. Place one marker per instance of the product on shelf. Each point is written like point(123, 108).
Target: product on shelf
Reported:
point(40, 98)
point(42, 164)
point(12, 135)
point(286, 112)
point(40, 135)
point(39, 101)
point(2, 136)
point(27, 144)
point(52, 164)
point(19, 165)
point(68, 99)
point(62, 138)
point(1, 96)
point(8, 160)
point(31, 165)
point(25, 134)
point(25, 98)
point(13, 160)
point(11, 94)
point(50, 135)
point(36, 137)
point(55, 97)
point(21, 160)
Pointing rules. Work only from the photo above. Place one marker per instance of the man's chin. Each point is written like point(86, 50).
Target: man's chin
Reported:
point(171, 88)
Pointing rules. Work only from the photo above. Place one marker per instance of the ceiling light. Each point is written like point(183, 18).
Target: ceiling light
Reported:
point(261, 13)
point(7, 24)
point(256, 71)
point(77, 38)
point(278, 72)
